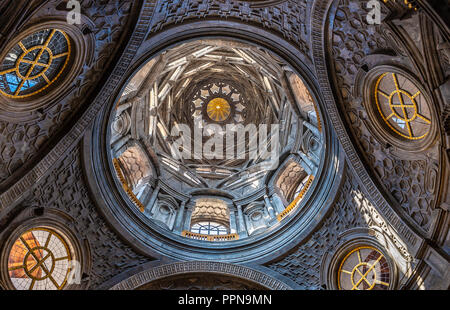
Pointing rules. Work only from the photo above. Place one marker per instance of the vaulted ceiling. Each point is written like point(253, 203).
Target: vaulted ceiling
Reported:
point(363, 115)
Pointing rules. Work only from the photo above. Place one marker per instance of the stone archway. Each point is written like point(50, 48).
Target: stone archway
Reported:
point(235, 277)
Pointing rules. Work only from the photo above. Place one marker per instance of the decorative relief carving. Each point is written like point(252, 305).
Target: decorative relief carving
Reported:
point(303, 265)
point(199, 281)
point(444, 56)
point(20, 141)
point(215, 268)
point(352, 210)
point(353, 40)
point(136, 166)
point(210, 209)
point(443, 51)
point(292, 175)
point(412, 183)
point(320, 10)
point(65, 190)
point(288, 18)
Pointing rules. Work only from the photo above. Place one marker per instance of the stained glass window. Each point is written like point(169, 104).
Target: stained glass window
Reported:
point(209, 228)
point(218, 109)
point(39, 260)
point(402, 106)
point(34, 63)
point(219, 102)
point(364, 268)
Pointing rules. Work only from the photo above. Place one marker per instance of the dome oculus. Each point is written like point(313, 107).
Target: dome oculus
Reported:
point(212, 117)
point(364, 268)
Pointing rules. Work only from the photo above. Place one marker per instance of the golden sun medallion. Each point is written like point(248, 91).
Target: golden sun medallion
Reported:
point(218, 109)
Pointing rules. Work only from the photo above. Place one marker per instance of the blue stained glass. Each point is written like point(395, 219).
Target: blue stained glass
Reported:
point(13, 81)
point(29, 84)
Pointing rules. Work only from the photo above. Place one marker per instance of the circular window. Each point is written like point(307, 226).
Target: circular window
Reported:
point(34, 63)
point(39, 260)
point(364, 268)
point(218, 109)
point(402, 106)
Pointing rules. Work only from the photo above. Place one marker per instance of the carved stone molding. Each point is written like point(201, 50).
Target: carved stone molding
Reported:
point(405, 168)
point(287, 18)
point(319, 23)
point(64, 190)
point(202, 281)
point(164, 271)
point(351, 211)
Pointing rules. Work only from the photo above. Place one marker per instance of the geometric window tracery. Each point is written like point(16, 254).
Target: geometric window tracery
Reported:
point(39, 260)
point(402, 106)
point(34, 63)
point(364, 268)
point(209, 228)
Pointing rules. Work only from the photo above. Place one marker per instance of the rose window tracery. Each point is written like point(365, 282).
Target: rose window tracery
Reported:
point(34, 63)
point(364, 268)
